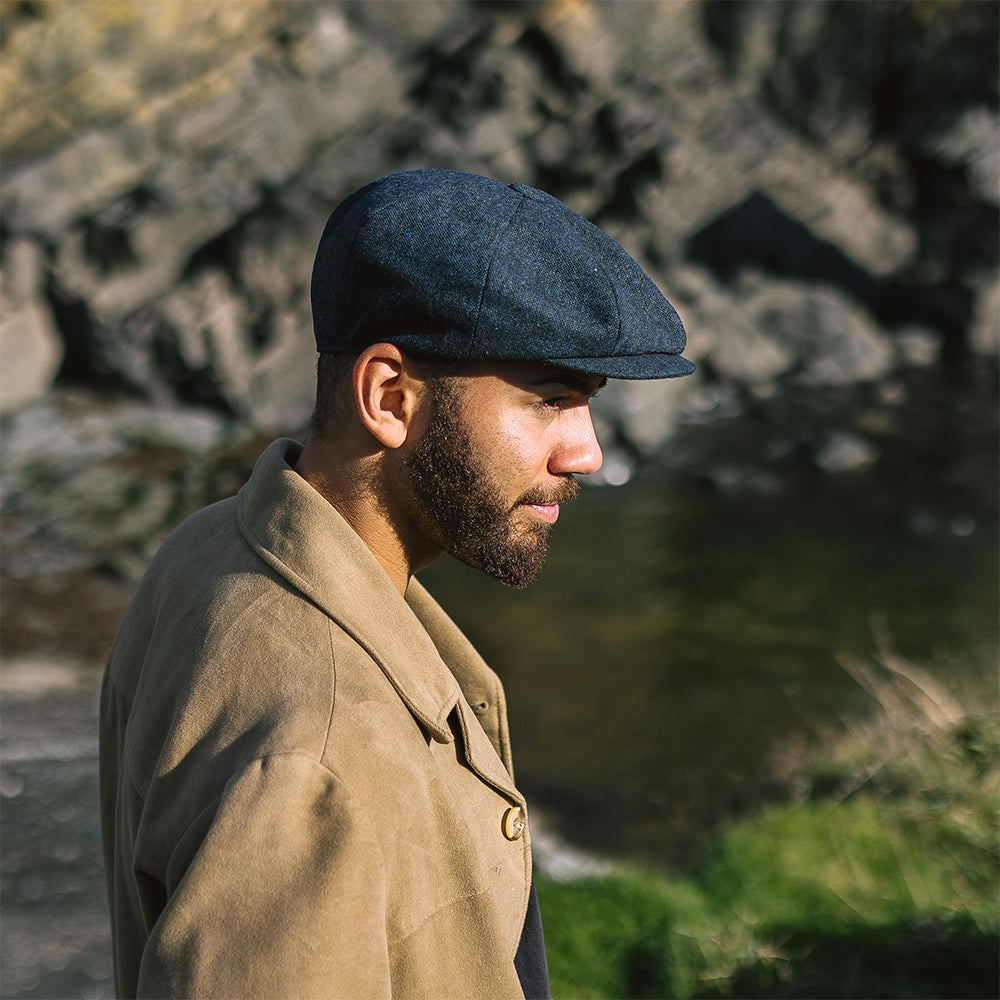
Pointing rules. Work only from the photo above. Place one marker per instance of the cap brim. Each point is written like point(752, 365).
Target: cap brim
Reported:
point(641, 366)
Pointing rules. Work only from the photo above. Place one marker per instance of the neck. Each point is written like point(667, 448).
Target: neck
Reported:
point(348, 483)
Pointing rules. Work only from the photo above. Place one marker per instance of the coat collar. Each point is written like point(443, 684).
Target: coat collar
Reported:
point(426, 658)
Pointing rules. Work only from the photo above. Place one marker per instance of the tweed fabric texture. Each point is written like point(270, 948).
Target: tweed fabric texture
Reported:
point(460, 266)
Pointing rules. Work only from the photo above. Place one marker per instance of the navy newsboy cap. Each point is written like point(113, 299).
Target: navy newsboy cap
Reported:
point(455, 265)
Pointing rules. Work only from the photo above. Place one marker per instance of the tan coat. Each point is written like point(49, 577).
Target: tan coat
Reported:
point(304, 777)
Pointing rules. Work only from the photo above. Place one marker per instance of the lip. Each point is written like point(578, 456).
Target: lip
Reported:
point(547, 512)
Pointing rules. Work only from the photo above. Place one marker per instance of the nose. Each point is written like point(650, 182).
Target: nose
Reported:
point(577, 450)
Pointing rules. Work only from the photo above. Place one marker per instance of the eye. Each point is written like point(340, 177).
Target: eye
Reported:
point(557, 402)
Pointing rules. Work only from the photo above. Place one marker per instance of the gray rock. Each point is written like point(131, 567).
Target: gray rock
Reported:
point(972, 140)
point(643, 414)
point(775, 329)
point(70, 429)
point(984, 337)
point(23, 271)
point(95, 167)
point(842, 451)
point(30, 355)
point(834, 340)
point(918, 346)
point(81, 486)
point(739, 349)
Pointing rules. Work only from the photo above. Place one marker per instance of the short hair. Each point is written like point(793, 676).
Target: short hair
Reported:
point(333, 381)
point(334, 393)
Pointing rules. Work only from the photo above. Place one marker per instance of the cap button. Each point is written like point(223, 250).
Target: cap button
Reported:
point(513, 823)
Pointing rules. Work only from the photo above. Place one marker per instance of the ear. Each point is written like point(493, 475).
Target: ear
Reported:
point(387, 393)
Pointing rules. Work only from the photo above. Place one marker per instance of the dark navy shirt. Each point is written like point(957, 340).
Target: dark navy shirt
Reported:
point(530, 962)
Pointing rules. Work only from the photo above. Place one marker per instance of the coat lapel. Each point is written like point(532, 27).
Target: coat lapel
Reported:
point(426, 658)
point(482, 709)
point(304, 539)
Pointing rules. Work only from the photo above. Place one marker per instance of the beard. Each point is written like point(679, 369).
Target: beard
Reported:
point(455, 503)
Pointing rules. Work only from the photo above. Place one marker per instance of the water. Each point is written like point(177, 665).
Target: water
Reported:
point(680, 635)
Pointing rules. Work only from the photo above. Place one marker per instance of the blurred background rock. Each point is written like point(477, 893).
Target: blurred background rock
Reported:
point(814, 186)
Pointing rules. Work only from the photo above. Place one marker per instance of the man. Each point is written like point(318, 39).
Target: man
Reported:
point(307, 786)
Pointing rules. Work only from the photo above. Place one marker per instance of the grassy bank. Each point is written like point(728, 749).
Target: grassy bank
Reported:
point(878, 877)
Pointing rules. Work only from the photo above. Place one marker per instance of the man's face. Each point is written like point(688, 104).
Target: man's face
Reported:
point(496, 459)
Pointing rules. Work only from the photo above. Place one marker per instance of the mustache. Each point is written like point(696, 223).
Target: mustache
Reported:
point(568, 491)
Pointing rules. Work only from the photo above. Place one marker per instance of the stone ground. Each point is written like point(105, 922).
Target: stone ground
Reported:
point(54, 936)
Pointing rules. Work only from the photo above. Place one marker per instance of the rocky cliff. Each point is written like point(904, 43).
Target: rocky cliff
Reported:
point(814, 186)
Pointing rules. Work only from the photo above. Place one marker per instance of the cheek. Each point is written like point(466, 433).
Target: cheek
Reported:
point(510, 439)
point(516, 449)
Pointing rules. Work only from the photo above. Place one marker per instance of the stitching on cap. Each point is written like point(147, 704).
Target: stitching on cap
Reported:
point(618, 305)
point(368, 218)
point(489, 271)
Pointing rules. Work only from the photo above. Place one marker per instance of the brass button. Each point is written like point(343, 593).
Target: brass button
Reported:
point(513, 823)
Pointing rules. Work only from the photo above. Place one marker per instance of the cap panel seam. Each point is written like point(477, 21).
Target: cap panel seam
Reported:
point(618, 305)
point(603, 268)
point(474, 339)
point(348, 286)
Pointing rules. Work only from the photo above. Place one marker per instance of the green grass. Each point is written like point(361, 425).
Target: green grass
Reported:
point(878, 877)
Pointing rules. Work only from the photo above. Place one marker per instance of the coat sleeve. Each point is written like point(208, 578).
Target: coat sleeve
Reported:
point(284, 896)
